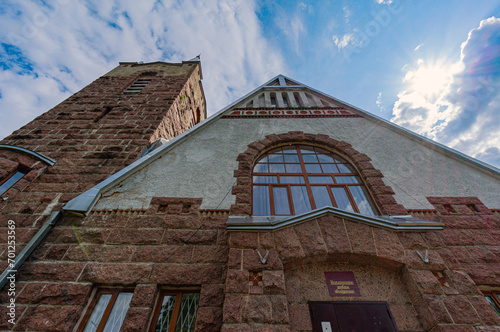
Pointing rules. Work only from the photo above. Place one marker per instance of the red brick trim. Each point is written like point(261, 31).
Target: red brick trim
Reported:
point(459, 205)
point(289, 108)
point(290, 116)
point(214, 211)
point(290, 112)
point(175, 205)
point(381, 193)
point(410, 211)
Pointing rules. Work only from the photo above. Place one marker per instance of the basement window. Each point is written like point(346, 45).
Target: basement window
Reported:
point(136, 87)
point(107, 310)
point(10, 181)
point(175, 311)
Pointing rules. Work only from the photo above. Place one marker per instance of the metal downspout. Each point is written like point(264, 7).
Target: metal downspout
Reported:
point(28, 249)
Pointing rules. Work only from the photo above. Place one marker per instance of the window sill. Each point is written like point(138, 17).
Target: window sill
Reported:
point(271, 223)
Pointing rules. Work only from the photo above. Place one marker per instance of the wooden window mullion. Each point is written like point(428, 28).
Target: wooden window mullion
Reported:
point(351, 198)
point(271, 199)
point(332, 198)
point(175, 313)
point(109, 307)
point(494, 297)
point(156, 313)
point(290, 199)
point(89, 311)
point(306, 178)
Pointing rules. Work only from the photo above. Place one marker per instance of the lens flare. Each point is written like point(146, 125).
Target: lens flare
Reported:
point(429, 80)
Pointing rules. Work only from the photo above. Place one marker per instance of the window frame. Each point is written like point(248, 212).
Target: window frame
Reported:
point(109, 307)
point(307, 183)
point(11, 176)
point(495, 296)
point(175, 312)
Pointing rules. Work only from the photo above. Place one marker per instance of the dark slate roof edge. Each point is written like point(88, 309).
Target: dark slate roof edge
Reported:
point(49, 161)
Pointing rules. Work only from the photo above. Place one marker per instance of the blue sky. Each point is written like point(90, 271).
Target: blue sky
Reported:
point(430, 66)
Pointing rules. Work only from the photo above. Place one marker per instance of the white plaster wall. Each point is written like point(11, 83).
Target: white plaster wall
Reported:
point(203, 165)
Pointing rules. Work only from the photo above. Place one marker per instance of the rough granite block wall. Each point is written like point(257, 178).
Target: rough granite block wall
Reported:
point(441, 295)
point(170, 244)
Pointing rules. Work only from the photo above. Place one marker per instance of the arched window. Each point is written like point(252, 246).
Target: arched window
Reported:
point(294, 179)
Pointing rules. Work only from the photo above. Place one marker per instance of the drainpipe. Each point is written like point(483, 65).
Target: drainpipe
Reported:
point(12, 268)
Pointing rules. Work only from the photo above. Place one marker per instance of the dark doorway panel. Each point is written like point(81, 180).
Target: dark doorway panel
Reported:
point(351, 317)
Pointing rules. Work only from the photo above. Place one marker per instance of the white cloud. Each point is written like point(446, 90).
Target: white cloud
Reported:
point(463, 111)
point(306, 7)
point(344, 41)
point(379, 102)
point(292, 28)
point(384, 2)
point(68, 44)
point(347, 14)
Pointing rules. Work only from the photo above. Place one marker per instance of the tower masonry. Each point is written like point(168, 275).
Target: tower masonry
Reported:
point(88, 137)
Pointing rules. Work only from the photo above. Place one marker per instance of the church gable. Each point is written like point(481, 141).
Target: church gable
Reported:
point(284, 97)
point(212, 147)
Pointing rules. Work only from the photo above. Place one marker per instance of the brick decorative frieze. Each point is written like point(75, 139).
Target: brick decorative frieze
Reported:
point(327, 112)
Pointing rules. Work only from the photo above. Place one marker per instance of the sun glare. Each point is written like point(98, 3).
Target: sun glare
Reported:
point(429, 80)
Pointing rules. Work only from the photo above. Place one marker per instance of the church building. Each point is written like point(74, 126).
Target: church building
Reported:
point(288, 210)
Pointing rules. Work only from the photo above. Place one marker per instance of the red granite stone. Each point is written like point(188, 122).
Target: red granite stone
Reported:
point(208, 319)
point(461, 310)
point(136, 319)
point(274, 282)
point(257, 309)
point(335, 237)
point(237, 281)
point(485, 310)
point(232, 308)
point(311, 239)
point(288, 246)
point(212, 295)
point(144, 296)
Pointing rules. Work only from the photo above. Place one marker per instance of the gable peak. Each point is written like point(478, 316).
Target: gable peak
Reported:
point(282, 81)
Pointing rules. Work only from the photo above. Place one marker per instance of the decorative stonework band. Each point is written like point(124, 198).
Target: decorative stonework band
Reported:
point(334, 112)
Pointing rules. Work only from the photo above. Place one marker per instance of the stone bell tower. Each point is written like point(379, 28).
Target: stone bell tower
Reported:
point(88, 137)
